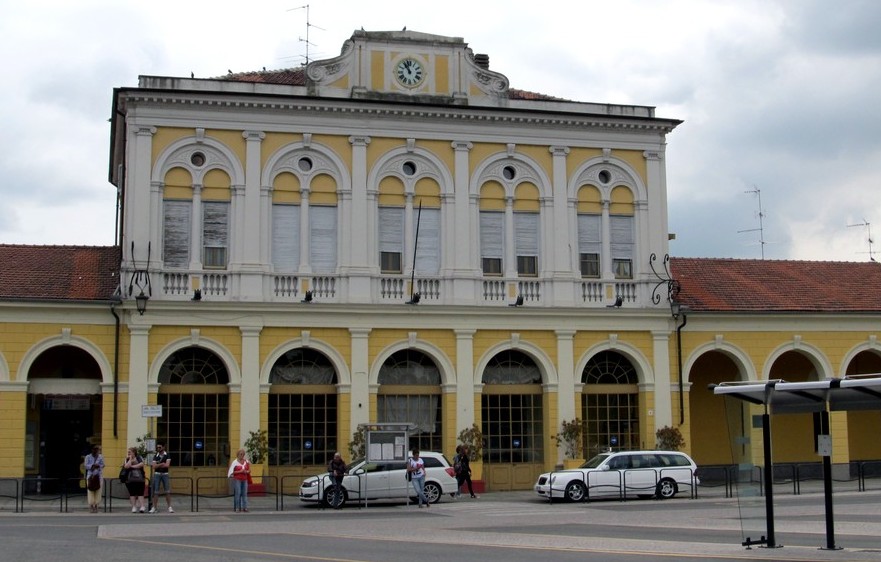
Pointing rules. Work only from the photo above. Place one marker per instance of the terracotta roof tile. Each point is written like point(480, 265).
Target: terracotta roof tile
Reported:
point(285, 76)
point(58, 272)
point(732, 285)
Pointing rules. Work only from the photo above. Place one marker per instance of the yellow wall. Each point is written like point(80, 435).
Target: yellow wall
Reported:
point(12, 433)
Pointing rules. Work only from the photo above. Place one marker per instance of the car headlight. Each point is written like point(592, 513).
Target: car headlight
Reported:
point(310, 483)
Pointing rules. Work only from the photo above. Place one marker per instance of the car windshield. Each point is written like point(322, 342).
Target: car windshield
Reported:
point(353, 465)
point(596, 461)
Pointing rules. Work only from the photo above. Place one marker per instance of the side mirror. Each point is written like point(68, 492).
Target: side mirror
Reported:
point(358, 471)
point(604, 468)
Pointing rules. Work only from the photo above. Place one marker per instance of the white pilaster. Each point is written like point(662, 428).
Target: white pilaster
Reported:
point(360, 374)
point(663, 396)
point(137, 380)
point(464, 379)
point(250, 388)
point(557, 230)
point(566, 374)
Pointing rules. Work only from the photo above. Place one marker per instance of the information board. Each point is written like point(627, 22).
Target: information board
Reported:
point(387, 442)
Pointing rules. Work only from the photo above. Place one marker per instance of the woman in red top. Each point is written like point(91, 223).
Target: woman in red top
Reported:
point(240, 472)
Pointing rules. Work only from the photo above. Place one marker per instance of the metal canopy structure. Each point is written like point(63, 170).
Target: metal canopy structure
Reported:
point(860, 392)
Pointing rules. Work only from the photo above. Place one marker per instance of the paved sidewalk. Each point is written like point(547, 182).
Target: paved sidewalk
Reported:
point(710, 526)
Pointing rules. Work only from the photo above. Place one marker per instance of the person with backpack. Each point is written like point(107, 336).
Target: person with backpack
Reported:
point(462, 468)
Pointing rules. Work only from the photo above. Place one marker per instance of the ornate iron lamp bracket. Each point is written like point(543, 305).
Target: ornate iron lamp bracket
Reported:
point(664, 280)
point(140, 279)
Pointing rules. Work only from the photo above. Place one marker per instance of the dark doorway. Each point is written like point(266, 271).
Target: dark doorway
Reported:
point(63, 443)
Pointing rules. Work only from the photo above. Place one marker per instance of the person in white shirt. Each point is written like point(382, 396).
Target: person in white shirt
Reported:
point(416, 468)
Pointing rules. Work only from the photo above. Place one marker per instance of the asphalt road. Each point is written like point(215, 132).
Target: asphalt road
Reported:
point(503, 527)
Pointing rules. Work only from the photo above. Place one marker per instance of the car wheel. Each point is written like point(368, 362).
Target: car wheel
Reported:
point(433, 492)
point(330, 495)
point(575, 491)
point(666, 489)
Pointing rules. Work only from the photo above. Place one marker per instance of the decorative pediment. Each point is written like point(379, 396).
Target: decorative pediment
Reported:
point(406, 66)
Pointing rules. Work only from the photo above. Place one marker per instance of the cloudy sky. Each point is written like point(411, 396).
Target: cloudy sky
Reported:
point(778, 97)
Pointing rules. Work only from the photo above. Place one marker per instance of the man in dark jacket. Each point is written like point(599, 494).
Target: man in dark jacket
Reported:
point(337, 469)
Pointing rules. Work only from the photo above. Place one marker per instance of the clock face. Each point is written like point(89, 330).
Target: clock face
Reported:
point(409, 72)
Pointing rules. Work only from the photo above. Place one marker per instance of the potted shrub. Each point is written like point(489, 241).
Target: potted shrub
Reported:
point(472, 438)
point(358, 444)
point(257, 451)
point(569, 439)
point(669, 439)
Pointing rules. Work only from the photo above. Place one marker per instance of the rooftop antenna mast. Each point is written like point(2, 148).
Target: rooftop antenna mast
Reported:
point(308, 25)
point(868, 226)
point(761, 214)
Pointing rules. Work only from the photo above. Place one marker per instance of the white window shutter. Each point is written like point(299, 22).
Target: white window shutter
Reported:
point(176, 233)
point(428, 244)
point(391, 230)
point(286, 237)
point(526, 234)
point(589, 237)
point(621, 227)
point(323, 234)
point(492, 234)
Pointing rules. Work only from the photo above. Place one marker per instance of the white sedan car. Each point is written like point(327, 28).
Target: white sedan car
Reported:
point(627, 473)
point(382, 480)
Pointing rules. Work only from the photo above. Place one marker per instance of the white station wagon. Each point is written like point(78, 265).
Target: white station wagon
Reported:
point(383, 480)
point(627, 473)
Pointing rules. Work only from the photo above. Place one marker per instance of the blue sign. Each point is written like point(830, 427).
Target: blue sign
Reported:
point(307, 445)
point(613, 441)
point(199, 445)
point(516, 443)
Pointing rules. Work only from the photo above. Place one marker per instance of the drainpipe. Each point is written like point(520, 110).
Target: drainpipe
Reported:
point(113, 306)
point(679, 359)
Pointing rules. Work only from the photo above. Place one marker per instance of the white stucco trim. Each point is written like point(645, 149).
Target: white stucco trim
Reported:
point(545, 365)
point(444, 365)
point(229, 361)
point(344, 376)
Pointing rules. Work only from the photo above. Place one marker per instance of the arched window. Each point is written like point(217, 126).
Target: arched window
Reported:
point(513, 424)
point(611, 404)
point(302, 409)
point(410, 392)
point(195, 408)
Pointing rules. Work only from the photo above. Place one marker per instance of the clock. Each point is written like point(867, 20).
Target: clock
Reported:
point(409, 72)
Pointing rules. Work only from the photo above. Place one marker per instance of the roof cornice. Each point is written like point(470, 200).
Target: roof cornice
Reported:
point(384, 109)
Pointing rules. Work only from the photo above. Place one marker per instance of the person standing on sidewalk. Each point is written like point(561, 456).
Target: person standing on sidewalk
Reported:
point(135, 481)
point(240, 473)
point(160, 463)
point(416, 469)
point(463, 474)
point(94, 465)
point(337, 469)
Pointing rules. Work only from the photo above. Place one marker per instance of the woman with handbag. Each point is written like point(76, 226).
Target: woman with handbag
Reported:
point(240, 473)
point(134, 480)
point(94, 468)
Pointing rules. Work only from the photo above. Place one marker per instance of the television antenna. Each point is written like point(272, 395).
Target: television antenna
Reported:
point(868, 226)
point(761, 215)
point(308, 26)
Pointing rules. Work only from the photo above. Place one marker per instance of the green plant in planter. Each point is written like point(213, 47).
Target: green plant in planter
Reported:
point(257, 446)
point(669, 439)
point(142, 444)
point(358, 444)
point(472, 438)
point(569, 438)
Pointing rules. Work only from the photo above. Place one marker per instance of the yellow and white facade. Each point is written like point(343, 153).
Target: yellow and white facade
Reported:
point(391, 235)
